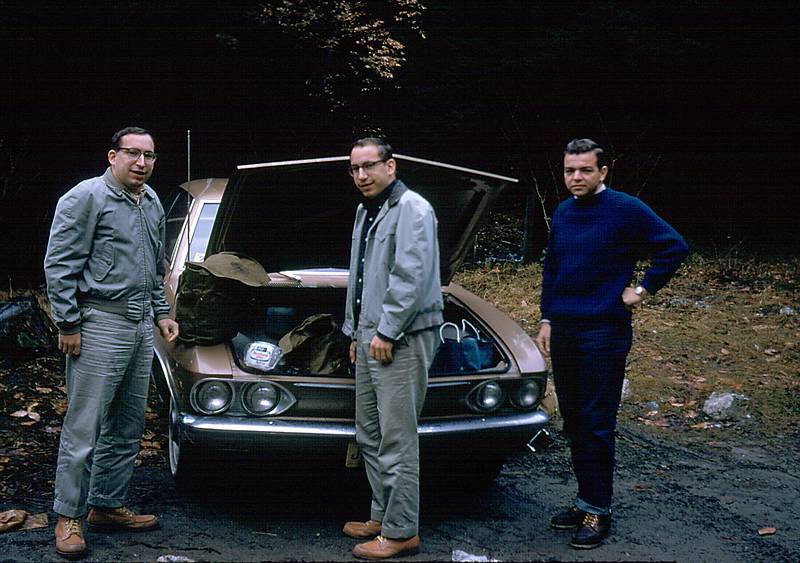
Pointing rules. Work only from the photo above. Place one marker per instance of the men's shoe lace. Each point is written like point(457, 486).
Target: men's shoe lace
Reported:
point(73, 527)
point(127, 512)
point(591, 520)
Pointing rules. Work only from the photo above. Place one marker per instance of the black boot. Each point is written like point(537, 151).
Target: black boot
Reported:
point(568, 519)
point(592, 531)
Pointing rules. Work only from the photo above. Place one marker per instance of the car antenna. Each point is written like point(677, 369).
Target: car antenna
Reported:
point(188, 155)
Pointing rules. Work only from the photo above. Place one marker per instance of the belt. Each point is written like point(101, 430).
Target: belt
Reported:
point(130, 309)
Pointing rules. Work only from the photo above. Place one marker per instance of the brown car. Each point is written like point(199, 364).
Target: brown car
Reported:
point(257, 277)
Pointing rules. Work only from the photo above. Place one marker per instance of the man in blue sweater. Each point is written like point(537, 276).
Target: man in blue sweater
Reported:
point(596, 240)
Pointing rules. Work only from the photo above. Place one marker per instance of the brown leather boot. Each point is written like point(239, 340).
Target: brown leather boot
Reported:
point(69, 537)
point(383, 548)
point(113, 519)
point(359, 530)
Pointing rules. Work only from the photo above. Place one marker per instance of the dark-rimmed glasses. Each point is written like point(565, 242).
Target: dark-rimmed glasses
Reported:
point(149, 156)
point(367, 166)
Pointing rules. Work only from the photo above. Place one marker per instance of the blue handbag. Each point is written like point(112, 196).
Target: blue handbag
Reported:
point(455, 355)
point(484, 349)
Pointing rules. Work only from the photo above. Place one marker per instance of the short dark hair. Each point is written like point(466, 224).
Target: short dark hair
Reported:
point(580, 146)
point(128, 131)
point(384, 148)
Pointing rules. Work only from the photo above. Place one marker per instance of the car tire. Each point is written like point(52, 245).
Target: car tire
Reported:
point(182, 455)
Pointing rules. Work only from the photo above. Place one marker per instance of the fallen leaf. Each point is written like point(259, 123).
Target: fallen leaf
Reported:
point(35, 416)
point(35, 521)
point(44, 390)
point(767, 531)
point(4, 460)
point(20, 413)
point(705, 425)
point(724, 352)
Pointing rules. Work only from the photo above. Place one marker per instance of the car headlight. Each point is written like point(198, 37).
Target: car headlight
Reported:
point(213, 397)
point(527, 394)
point(261, 398)
point(486, 397)
point(260, 355)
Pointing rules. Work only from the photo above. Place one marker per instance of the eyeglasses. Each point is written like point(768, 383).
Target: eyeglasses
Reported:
point(367, 166)
point(149, 156)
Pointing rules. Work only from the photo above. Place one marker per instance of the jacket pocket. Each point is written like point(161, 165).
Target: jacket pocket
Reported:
point(385, 244)
point(105, 261)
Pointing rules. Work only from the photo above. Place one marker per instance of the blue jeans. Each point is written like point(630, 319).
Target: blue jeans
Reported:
point(588, 369)
point(107, 388)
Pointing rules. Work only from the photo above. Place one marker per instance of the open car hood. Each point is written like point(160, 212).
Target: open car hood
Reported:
point(299, 214)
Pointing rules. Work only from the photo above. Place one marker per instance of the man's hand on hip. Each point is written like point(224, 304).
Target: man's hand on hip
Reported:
point(169, 329)
point(630, 298)
point(543, 339)
point(70, 343)
point(381, 350)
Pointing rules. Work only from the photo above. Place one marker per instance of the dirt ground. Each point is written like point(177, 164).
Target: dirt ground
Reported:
point(688, 488)
point(684, 502)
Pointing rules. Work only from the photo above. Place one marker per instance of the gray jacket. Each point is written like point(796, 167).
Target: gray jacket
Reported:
point(105, 251)
point(402, 286)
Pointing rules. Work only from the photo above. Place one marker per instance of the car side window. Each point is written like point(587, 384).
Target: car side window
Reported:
point(176, 215)
point(198, 241)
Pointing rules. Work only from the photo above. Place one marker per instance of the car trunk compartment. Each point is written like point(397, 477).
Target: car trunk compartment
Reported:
point(230, 299)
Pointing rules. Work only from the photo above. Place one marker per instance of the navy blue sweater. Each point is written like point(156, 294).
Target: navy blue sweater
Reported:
point(595, 243)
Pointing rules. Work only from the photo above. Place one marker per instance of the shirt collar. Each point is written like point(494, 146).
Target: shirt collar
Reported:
point(112, 182)
point(374, 203)
point(599, 189)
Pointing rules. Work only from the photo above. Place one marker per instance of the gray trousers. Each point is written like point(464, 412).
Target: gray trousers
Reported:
point(107, 388)
point(389, 400)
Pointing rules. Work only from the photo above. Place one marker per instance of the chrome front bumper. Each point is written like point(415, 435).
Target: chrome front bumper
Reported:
point(230, 433)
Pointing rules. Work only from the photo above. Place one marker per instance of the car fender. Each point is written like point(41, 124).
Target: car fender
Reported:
point(162, 377)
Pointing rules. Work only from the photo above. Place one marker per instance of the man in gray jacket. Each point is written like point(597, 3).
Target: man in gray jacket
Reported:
point(394, 305)
point(104, 268)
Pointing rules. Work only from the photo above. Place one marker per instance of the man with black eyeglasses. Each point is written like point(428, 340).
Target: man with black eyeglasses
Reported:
point(104, 269)
point(394, 305)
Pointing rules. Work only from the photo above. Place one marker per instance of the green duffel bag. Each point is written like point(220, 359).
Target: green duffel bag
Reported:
point(215, 295)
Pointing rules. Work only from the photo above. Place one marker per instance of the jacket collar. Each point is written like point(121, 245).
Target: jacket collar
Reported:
point(112, 182)
point(398, 189)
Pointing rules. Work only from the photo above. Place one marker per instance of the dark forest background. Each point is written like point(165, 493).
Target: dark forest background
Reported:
point(695, 101)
